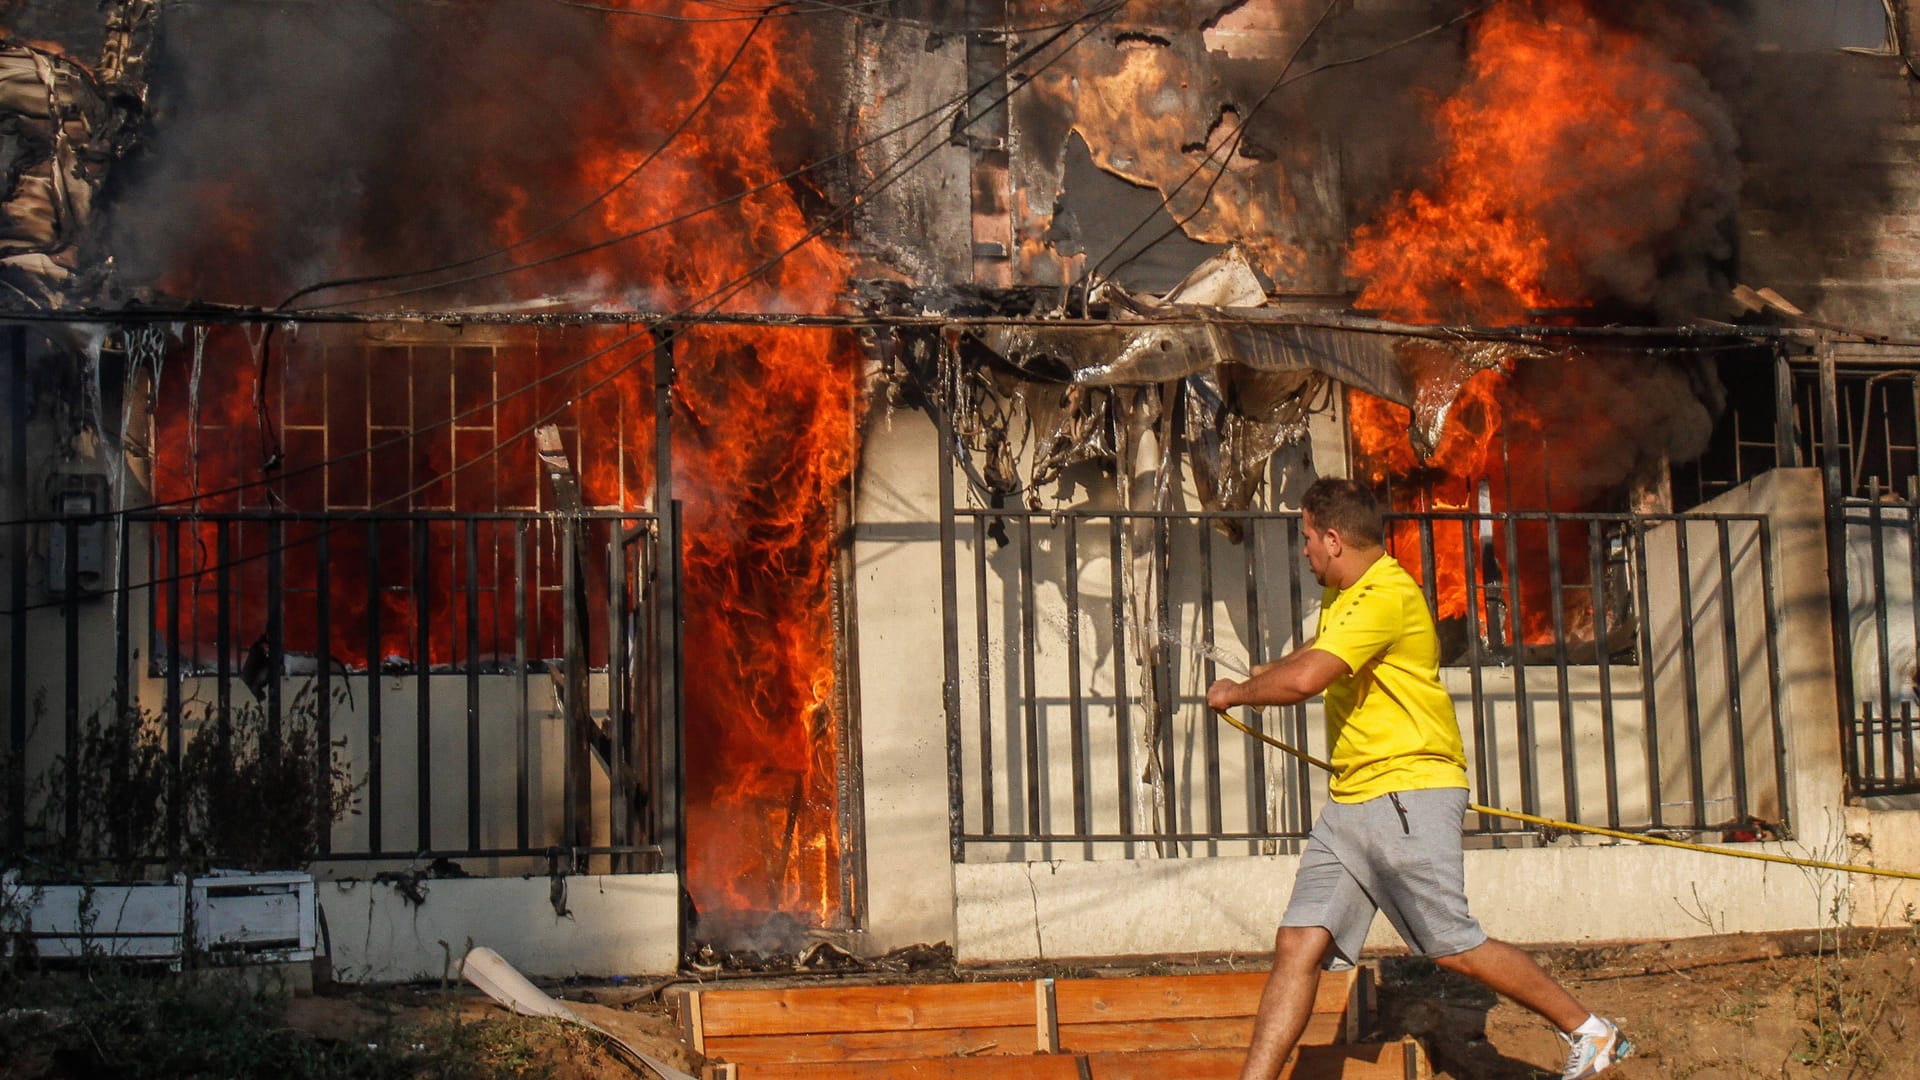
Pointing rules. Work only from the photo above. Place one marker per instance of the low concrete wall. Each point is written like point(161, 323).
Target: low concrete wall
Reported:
point(1561, 894)
point(1887, 839)
point(1570, 892)
point(622, 925)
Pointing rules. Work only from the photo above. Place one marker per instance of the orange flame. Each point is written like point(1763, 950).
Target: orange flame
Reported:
point(765, 435)
point(1569, 159)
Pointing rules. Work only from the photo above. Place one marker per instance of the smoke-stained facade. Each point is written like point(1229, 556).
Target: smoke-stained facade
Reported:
point(1187, 255)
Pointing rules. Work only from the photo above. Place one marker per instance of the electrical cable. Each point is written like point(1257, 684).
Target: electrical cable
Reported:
point(717, 296)
point(673, 134)
point(864, 10)
point(664, 317)
point(958, 101)
point(1595, 830)
point(1232, 144)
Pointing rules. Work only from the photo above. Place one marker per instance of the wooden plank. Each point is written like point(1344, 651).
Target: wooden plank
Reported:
point(1029, 1067)
point(867, 1008)
point(1418, 1067)
point(872, 1045)
point(1360, 1005)
point(1323, 1029)
point(694, 1029)
point(1374, 1062)
point(1173, 997)
point(1046, 1026)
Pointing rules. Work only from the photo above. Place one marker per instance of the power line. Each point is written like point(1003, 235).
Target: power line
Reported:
point(621, 238)
point(1232, 144)
point(678, 129)
point(718, 296)
point(684, 315)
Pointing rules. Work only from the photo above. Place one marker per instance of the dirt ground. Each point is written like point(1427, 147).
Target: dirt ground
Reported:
point(1787, 1006)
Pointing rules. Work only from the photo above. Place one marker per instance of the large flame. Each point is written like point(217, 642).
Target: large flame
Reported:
point(765, 442)
point(1573, 160)
point(764, 433)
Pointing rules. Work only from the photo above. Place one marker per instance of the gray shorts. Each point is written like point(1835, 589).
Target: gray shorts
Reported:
point(1399, 854)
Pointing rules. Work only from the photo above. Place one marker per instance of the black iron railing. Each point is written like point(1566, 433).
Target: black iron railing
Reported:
point(487, 685)
point(1080, 644)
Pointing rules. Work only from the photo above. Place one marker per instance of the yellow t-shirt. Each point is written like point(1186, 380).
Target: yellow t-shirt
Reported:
point(1390, 723)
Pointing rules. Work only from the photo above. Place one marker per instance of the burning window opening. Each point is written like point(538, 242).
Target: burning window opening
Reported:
point(390, 443)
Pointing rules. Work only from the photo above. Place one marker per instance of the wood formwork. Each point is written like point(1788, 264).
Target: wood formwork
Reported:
point(1192, 1026)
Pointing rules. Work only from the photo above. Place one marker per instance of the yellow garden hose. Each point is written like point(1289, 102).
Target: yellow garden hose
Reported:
point(1568, 826)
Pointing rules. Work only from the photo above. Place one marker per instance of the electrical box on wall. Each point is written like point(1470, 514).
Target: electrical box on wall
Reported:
point(77, 542)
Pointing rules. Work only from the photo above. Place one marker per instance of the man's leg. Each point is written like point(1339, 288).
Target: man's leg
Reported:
point(1501, 967)
point(1287, 1001)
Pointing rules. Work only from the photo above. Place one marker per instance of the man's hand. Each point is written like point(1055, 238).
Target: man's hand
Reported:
point(1223, 694)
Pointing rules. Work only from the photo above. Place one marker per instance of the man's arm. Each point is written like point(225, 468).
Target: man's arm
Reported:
point(1290, 680)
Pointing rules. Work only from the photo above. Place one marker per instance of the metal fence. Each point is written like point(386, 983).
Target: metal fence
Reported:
point(1881, 674)
point(490, 685)
point(1079, 645)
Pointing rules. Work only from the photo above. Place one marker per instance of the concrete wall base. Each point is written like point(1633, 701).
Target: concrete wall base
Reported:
point(617, 925)
point(1567, 893)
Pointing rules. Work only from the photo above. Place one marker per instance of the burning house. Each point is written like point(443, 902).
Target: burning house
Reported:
point(724, 484)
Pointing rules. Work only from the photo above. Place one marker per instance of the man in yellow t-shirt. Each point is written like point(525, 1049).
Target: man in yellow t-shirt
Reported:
point(1390, 838)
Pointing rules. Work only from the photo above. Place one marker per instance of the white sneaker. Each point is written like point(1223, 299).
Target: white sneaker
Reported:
point(1591, 1055)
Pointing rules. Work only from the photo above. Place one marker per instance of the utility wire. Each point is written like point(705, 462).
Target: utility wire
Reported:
point(682, 316)
point(864, 10)
point(892, 174)
point(1232, 144)
point(678, 129)
point(586, 249)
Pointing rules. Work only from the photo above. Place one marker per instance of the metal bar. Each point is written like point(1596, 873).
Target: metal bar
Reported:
point(1255, 750)
point(276, 627)
point(1164, 690)
point(70, 613)
point(21, 409)
point(1175, 837)
point(984, 645)
point(1877, 544)
point(522, 720)
point(1123, 707)
point(127, 711)
point(1209, 733)
point(1569, 767)
point(375, 646)
point(619, 780)
point(950, 631)
point(574, 781)
point(1775, 685)
point(672, 672)
point(1689, 665)
point(176, 671)
point(1729, 627)
point(1603, 660)
point(473, 684)
point(1517, 641)
point(1831, 462)
point(323, 687)
point(1428, 567)
point(223, 634)
point(670, 732)
point(1302, 776)
point(1477, 626)
point(1030, 707)
point(1076, 703)
point(423, 684)
point(1643, 605)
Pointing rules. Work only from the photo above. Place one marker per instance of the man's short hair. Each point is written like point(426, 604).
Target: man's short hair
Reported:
point(1346, 507)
